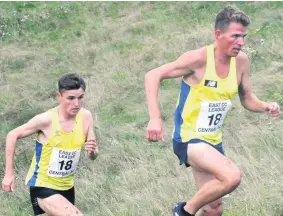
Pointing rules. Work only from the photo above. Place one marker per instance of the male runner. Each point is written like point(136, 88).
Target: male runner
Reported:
point(61, 133)
point(212, 75)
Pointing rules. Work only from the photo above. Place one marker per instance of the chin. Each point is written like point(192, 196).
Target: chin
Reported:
point(73, 113)
point(233, 54)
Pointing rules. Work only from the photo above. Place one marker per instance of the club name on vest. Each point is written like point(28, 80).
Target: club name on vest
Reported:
point(67, 154)
point(217, 107)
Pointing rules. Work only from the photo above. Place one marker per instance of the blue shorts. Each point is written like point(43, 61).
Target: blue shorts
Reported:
point(181, 149)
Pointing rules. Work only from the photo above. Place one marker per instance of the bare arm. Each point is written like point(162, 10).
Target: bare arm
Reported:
point(249, 100)
point(178, 68)
point(36, 124)
point(31, 127)
point(183, 66)
point(90, 144)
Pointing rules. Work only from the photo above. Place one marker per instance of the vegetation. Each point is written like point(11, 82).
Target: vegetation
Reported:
point(113, 45)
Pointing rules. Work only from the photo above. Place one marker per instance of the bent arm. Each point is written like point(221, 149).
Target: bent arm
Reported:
point(92, 154)
point(31, 127)
point(248, 99)
point(178, 68)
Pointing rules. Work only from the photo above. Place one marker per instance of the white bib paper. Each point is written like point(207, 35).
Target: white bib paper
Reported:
point(212, 115)
point(63, 162)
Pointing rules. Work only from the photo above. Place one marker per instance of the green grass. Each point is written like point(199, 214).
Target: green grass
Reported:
point(113, 45)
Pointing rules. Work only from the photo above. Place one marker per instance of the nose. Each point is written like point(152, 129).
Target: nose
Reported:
point(241, 41)
point(76, 102)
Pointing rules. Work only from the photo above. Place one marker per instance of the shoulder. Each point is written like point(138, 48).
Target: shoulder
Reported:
point(193, 58)
point(242, 61)
point(43, 119)
point(38, 122)
point(86, 114)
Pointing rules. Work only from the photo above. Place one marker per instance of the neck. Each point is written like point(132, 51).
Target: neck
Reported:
point(220, 56)
point(63, 115)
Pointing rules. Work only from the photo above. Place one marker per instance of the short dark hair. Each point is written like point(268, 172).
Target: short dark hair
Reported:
point(228, 15)
point(71, 81)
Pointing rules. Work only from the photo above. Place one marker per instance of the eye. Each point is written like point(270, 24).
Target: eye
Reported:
point(71, 98)
point(81, 97)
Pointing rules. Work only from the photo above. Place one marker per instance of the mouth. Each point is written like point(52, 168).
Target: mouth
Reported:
point(75, 109)
point(237, 49)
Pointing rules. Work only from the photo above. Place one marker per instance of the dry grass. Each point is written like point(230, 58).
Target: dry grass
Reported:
point(113, 45)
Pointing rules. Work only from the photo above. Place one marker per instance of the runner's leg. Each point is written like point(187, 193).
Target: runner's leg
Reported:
point(214, 208)
point(57, 205)
point(206, 159)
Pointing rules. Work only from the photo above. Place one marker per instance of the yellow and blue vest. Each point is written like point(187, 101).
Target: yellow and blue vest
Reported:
point(201, 108)
point(54, 163)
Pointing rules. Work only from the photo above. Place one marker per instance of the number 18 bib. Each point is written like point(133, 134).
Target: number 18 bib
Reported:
point(63, 162)
point(211, 116)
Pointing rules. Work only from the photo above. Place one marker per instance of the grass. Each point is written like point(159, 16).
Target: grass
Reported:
point(113, 45)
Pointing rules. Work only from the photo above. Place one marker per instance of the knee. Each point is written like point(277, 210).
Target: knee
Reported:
point(213, 209)
point(232, 180)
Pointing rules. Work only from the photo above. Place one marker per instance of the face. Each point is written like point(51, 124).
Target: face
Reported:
point(232, 40)
point(71, 100)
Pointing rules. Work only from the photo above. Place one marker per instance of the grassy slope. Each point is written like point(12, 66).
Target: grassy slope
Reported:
point(113, 45)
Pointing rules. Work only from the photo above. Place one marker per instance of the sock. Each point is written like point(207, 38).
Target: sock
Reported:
point(185, 212)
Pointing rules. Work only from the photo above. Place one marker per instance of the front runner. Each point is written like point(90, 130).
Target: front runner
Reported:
point(212, 75)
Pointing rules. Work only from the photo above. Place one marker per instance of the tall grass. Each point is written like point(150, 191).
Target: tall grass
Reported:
point(113, 45)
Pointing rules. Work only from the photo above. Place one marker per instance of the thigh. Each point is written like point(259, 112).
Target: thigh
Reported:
point(209, 162)
point(39, 192)
point(58, 205)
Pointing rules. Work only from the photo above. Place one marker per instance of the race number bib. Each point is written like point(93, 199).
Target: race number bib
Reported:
point(212, 115)
point(63, 162)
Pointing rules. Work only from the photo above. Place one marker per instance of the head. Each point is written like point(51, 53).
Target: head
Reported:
point(230, 30)
point(71, 89)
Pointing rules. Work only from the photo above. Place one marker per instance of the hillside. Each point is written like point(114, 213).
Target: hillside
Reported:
point(112, 45)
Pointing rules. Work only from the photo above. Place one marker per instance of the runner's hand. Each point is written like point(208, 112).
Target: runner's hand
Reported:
point(90, 146)
point(8, 183)
point(154, 131)
point(91, 149)
point(273, 109)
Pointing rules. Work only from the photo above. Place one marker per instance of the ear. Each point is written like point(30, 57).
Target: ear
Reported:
point(58, 95)
point(217, 34)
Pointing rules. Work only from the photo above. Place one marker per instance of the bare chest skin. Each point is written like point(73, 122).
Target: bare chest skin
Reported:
point(222, 71)
point(66, 126)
